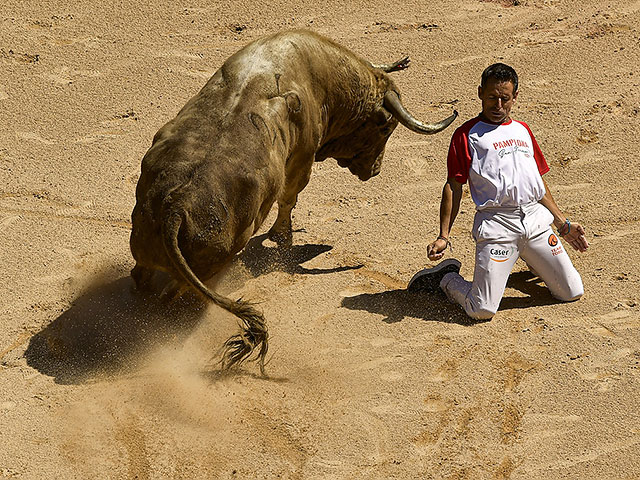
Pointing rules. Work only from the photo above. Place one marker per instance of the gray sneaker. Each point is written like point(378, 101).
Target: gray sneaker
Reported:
point(428, 280)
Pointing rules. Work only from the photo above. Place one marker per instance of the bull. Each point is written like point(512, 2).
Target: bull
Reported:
point(246, 140)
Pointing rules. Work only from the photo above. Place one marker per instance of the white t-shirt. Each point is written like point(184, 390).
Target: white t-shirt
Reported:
point(503, 163)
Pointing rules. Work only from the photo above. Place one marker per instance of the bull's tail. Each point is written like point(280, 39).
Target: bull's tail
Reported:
point(254, 333)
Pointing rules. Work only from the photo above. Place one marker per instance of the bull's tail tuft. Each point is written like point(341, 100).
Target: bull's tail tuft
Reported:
point(238, 348)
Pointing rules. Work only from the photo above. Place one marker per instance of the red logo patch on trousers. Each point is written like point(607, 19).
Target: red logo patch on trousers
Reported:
point(553, 240)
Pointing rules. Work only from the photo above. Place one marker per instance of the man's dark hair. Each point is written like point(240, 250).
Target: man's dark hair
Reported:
point(500, 72)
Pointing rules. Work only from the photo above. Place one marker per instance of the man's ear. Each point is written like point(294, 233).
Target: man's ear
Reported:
point(480, 92)
point(515, 95)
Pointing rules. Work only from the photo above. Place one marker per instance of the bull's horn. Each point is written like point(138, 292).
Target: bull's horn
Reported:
point(394, 105)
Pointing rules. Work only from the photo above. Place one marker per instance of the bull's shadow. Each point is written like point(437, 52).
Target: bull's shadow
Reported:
point(106, 329)
point(109, 326)
point(259, 258)
point(395, 305)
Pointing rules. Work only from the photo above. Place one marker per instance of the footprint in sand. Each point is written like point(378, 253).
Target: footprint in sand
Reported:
point(66, 76)
point(34, 137)
point(516, 368)
point(445, 372)
point(180, 54)
point(358, 289)
point(543, 426)
point(586, 137)
point(200, 74)
point(435, 403)
point(532, 38)
point(610, 323)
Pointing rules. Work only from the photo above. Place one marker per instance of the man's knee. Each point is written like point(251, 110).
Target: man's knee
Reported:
point(569, 296)
point(480, 313)
point(570, 293)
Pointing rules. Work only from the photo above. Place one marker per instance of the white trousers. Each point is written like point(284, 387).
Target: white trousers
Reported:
point(502, 235)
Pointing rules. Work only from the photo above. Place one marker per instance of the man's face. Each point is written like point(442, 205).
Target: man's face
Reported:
point(497, 99)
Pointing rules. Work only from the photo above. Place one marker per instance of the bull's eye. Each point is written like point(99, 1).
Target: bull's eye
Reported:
point(382, 117)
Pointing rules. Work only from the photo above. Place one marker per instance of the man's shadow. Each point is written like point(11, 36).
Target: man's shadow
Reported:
point(395, 305)
point(109, 326)
point(531, 285)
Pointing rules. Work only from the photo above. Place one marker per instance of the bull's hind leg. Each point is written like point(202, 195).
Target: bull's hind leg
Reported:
point(142, 277)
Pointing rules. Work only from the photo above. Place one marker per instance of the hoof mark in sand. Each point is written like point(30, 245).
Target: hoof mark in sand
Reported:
point(34, 137)
point(445, 372)
point(66, 215)
point(517, 366)
point(434, 403)
point(22, 338)
point(511, 422)
point(602, 450)
point(506, 468)
point(361, 289)
point(545, 37)
point(586, 137)
point(8, 220)
point(133, 439)
point(199, 74)
point(376, 363)
point(387, 280)
point(618, 234)
point(458, 61)
point(180, 54)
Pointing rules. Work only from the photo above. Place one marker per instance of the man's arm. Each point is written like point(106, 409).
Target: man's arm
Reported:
point(449, 207)
point(575, 235)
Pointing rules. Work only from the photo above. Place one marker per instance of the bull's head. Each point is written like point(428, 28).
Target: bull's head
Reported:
point(365, 146)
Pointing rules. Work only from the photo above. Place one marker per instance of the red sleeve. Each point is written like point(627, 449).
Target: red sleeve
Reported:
point(537, 153)
point(459, 159)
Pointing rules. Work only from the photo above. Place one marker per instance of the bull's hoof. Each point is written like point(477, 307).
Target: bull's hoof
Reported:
point(142, 278)
point(282, 239)
point(172, 291)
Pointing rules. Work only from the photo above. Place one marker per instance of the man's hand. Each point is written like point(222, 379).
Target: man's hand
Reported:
point(435, 250)
point(576, 237)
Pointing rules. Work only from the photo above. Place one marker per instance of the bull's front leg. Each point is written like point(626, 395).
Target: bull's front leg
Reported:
point(282, 232)
point(297, 178)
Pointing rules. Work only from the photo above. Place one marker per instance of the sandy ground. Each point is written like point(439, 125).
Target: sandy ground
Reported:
point(365, 380)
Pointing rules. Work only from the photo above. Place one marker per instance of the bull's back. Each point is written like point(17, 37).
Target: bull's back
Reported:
point(215, 165)
point(218, 180)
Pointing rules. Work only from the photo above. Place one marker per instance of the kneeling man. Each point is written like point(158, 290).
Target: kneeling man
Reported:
point(503, 164)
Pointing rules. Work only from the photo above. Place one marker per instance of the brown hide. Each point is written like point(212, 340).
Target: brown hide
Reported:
point(247, 139)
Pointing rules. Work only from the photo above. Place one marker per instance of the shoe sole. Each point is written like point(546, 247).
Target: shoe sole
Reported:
point(427, 271)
